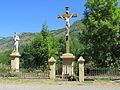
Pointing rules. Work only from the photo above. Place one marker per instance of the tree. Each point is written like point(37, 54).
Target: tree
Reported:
point(101, 38)
point(27, 59)
point(5, 57)
point(40, 47)
point(43, 46)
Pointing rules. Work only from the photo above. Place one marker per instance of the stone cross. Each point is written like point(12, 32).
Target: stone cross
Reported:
point(67, 17)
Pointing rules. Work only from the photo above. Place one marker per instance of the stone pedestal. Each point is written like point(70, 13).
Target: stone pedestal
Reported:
point(52, 63)
point(67, 64)
point(15, 61)
point(81, 68)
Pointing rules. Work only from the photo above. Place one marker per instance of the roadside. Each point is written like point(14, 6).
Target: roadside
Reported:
point(57, 82)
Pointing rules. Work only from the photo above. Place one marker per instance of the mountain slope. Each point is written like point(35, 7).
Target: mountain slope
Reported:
point(7, 43)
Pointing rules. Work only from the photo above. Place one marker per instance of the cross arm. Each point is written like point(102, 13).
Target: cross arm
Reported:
point(67, 15)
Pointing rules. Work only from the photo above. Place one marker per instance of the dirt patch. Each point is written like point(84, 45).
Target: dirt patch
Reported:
point(57, 82)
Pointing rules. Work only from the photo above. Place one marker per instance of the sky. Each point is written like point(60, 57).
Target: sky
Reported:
point(29, 15)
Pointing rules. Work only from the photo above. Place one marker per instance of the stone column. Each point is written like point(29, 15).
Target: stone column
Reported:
point(81, 68)
point(15, 61)
point(52, 63)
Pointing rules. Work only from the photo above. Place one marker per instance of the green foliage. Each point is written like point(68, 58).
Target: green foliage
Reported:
point(98, 42)
point(39, 48)
point(101, 38)
point(43, 46)
point(5, 57)
point(26, 57)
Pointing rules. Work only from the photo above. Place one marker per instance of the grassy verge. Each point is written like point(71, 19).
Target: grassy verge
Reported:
point(56, 82)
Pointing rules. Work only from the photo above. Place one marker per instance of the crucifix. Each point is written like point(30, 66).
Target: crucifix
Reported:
point(67, 17)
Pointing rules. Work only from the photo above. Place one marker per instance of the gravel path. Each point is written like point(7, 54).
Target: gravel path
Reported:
point(54, 87)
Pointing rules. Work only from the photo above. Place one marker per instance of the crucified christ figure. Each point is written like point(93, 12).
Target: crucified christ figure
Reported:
point(67, 23)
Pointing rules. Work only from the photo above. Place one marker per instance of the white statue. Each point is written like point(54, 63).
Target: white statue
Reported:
point(67, 23)
point(16, 42)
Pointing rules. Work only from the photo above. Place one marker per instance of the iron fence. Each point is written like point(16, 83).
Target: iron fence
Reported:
point(43, 73)
point(34, 73)
point(104, 73)
point(25, 73)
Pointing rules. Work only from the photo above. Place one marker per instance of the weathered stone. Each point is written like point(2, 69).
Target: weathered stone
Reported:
point(15, 61)
point(81, 59)
point(81, 68)
point(52, 63)
point(67, 64)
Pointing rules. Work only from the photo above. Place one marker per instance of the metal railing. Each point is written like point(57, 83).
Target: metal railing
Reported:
point(31, 73)
point(109, 73)
point(34, 73)
point(41, 73)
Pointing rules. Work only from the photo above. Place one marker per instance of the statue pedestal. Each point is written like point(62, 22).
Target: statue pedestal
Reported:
point(15, 61)
point(67, 64)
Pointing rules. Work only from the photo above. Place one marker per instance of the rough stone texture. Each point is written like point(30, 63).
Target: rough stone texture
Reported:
point(52, 63)
point(67, 64)
point(15, 61)
point(81, 69)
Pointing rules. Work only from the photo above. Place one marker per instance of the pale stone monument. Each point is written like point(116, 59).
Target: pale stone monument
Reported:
point(67, 58)
point(52, 63)
point(81, 68)
point(16, 42)
point(15, 55)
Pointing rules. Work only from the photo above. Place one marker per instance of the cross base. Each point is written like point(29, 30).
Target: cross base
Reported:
point(67, 64)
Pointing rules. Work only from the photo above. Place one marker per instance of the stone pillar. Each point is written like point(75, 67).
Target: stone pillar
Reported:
point(15, 61)
point(72, 73)
point(67, 64)
point(81, 68)
point(52, 63)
